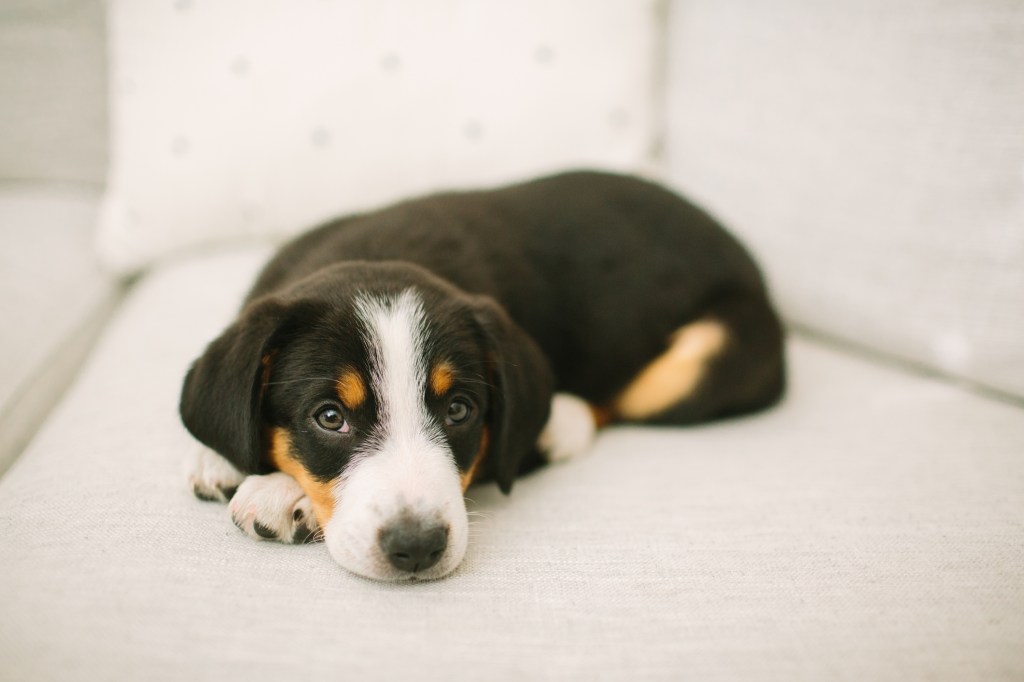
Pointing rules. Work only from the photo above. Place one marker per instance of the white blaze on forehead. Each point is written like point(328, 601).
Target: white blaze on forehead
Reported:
point(405, 466)
point(396, 336)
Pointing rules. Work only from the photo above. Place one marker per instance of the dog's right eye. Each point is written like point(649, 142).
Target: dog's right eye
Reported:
point(331, 419)
point(458, 412)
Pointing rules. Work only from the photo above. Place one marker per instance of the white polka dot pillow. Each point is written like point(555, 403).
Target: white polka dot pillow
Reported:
point(235, 119)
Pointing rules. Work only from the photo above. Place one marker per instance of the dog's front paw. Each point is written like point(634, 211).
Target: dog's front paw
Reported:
point(274, 507)
point(570, 429)
point(212, 477)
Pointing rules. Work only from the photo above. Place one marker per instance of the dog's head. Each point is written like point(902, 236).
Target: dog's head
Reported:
point(384, 391)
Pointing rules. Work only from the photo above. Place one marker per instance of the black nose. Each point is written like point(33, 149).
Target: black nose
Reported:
point(412, 544)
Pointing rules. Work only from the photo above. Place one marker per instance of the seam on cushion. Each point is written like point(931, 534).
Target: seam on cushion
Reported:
point(32, 402)
point(906, 364)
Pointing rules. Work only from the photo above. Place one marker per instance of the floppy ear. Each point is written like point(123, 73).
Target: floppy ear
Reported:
point(521, 399)
point(222, 395)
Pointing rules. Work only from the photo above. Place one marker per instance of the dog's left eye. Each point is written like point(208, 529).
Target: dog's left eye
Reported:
point(331, 419)
point(458, 412)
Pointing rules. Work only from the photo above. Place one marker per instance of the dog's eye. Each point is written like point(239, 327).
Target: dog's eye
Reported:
point(458, 412)
point(331, 419)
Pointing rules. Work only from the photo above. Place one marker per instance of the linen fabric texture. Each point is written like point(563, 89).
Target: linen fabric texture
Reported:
point(868, 528)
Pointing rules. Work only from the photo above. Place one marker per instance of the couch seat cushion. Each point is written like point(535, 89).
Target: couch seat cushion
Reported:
point(869, 528)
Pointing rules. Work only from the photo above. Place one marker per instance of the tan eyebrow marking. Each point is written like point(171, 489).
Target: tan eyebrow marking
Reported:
point(319, 492)
point(351, 389)
point(441, 378)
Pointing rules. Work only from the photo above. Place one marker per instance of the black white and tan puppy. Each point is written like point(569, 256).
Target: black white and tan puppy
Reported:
point(385, 361)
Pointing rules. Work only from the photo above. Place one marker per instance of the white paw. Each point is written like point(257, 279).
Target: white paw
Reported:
point(274, 507)
point(570, 429)
point(212, 477)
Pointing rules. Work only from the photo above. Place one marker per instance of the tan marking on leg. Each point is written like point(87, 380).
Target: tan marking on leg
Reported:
point(319, 493)
point(351, 389)
point(474, 468)
point(603, 416)
point(674, 374)
point(441, 378)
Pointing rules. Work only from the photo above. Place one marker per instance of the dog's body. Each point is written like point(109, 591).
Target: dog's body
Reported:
point(385, 361)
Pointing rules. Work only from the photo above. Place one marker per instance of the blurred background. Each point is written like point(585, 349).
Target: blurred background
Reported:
point(870, 153)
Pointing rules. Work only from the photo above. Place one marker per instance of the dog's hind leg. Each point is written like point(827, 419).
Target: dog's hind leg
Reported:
point(729, 361)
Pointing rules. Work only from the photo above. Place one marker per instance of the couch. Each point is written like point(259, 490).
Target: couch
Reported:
point(870, 154)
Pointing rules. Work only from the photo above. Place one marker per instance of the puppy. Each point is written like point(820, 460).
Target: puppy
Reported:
point(383, 362)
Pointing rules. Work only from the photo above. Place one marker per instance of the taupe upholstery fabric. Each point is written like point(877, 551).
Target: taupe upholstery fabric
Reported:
point(869, 528)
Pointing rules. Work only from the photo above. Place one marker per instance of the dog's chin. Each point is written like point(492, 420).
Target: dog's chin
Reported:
point(366, 560)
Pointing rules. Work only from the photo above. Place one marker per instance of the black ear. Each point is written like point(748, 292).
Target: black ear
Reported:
point(521, 398)
point(222, 394)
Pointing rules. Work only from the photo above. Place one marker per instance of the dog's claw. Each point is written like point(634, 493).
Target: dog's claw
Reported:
point(201, 493)
point(213, 478)
point(263, 531)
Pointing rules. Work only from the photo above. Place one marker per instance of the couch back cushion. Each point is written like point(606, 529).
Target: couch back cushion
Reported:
point(872, 154)
point(53, 92)
point(234, 118)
